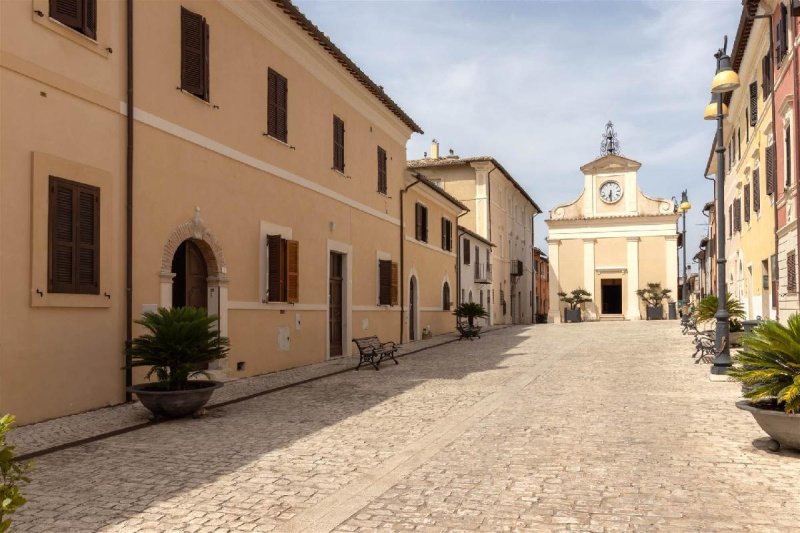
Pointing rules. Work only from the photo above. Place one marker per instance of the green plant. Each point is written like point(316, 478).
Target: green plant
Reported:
point(575, 298)
point(769, 364)
point(13, 476)
point(470, 311)
point(708, 308)
point(179, 340)
point(653, 294)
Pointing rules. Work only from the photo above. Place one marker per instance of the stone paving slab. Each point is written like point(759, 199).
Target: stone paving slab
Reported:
point(64, 430)
point(568, 427)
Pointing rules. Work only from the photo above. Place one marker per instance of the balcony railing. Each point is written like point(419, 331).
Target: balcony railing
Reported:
point(483, 272)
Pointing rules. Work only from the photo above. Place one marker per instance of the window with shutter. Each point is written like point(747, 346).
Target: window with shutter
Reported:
point(791, 272)
point(756, 191)
point(447, 235)
point(292, 271)
point(467, 251)
point(277, 106)
point(753, 103)
point(446, 297)
point(395, 284)
point(382, 181)
point(737, 214)
point(787, 150)
point(80, 15)
point(747, 203)
point(770, 163)
point(276, 250)
point(73, 238)
point(194, 54)
point(384, 282)
point(338, 144)
point(766, 76)
point(421, 223)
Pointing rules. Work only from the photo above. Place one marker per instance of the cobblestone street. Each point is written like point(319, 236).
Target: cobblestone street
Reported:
point(580, 427)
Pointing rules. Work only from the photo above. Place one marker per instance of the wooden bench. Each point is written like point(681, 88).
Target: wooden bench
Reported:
point(468, 332)
point(371, 350)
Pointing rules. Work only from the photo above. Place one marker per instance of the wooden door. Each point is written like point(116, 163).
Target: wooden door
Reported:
point(196, 277)
point(336, 302)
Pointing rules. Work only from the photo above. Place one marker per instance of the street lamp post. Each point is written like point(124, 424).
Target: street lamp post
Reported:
point(725, 80)
point(684, 208)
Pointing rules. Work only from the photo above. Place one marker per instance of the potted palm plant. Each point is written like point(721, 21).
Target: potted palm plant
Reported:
point(574, 299)
point(707, 308)
point(470, 311)
point(653, 296)
point(769, 369)
point(179, 343)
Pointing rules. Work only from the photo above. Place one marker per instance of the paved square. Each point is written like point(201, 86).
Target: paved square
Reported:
point(574, 427)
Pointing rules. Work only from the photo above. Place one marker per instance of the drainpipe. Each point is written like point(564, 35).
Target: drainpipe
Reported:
point(458, 262)
point(129, 200)
point(401, 282)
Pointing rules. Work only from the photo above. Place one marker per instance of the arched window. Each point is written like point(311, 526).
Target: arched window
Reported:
point(470, 296)
point(446, 296)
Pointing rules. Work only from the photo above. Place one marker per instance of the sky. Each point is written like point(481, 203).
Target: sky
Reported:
point(533, 84)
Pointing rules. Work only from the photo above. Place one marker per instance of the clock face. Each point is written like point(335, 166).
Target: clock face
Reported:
point(610, 192)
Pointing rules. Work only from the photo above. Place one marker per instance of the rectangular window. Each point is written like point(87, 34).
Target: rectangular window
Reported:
point(770, 163)
point(283, 262)
point(756, 190)
point(782, 36)
point(421, 222)
point(747, 203)
point(277, 106)
point(787, 149)
point(467, 251)
point(753, 103)
point(737, 215)
point(387, 282)
point(766, 76)
point(730, 220)
point(738, 144)
point(73, 239)
point(80, 15)
point(447, 234)
point(194, 54)
point(791, 272)
point(338, 144)
point(383, 185)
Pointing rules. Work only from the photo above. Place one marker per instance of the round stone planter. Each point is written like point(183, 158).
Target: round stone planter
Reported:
point(784, 428)
point(735, 338)
point(175, 404)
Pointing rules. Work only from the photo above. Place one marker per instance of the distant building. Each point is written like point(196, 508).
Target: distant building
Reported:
point(541, 284)
point(612, 240)
point(475, 270)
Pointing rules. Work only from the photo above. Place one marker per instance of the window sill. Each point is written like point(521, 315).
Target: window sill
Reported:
point(57, 299)
point(197, 98)
point(342, 174)
point(65, 31)
point(283, 143)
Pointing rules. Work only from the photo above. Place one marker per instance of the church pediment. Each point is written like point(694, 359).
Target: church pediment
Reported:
point(609, 164)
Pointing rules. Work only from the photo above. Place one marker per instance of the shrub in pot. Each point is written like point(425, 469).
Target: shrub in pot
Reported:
point(769, 369)
point(707, 308)
point(178, 343)
point(470, 311)
point(12, 476)
point(653, 296)
point(574, 299)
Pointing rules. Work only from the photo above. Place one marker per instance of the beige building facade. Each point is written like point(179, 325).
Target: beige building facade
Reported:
point(265, 186)
point(612, 240)
point(501, 212)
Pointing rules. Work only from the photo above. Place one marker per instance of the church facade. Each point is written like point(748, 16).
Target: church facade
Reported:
point(612, 240)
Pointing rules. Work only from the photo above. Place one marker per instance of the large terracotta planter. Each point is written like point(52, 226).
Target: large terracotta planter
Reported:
point(176, 404)
point(782, 427)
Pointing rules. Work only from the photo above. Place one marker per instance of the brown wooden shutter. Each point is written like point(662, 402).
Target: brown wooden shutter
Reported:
point(384, 282)
point(770, 162)
point(737, 214)
point(766, 76)
point(277, 106)
point(395, 285)
point(276, 264)
point(68, 12)
point(338, 144)
point(791, 272)
point(467, 251)
point(756, 190)
point(382, 181)
point(418, 221)
point(787, 150)
point(88, 244)
point(194, 54)
point(292, 271)
point(61, 236)
point(424, 212)
point(283, 108)
point(753, 103)
point(747, 203)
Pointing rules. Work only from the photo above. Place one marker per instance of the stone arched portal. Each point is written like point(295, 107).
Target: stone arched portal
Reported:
point(196, 231)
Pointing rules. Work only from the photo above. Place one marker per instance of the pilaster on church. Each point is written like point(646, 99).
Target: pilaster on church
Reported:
point(612, 239)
